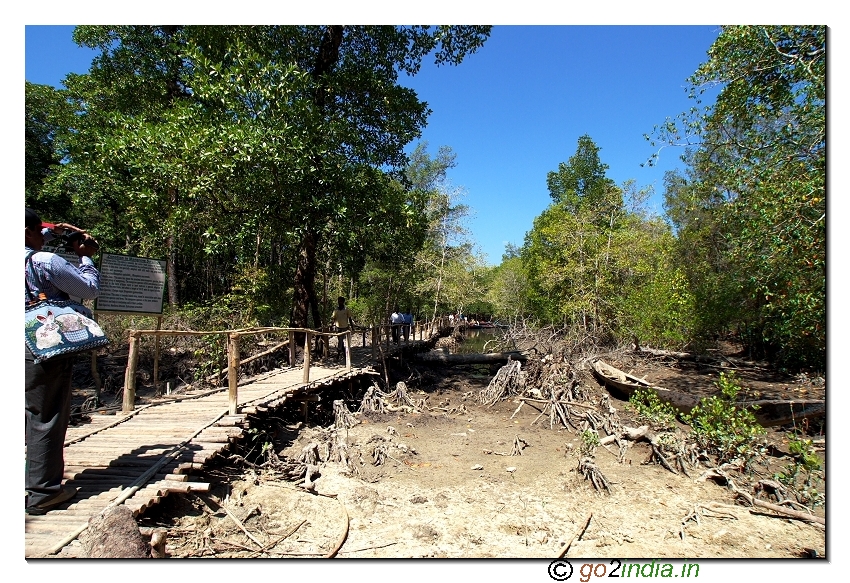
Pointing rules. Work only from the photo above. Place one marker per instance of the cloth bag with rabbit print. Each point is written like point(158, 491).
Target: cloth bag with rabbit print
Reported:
point(56, 327)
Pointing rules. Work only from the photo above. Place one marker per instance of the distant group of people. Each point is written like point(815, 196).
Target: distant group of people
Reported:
point(401, 323)
point(343, 321)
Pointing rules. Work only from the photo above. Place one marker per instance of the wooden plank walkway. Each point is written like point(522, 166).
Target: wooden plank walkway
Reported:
point(139, 457)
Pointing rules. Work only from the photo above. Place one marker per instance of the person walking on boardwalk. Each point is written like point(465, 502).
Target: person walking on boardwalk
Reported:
point(48, 384)
point(408, 322)
point(343, 321)
point(397, 321)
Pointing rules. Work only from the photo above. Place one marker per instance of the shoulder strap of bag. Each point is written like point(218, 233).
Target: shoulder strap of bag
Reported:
point(37, 294)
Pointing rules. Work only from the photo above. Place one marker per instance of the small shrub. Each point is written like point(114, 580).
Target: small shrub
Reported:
point(719, 427)
point(589, 443)
point(805, 460)
point(650, 409)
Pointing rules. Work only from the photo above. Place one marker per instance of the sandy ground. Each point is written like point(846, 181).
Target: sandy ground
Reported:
point(449, 487)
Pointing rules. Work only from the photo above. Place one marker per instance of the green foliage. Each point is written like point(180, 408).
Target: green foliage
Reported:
point(581, 183)
point(649, 408)
point(804, 459)
point(601, 266)
point(508, 290)
point(252, 166)
point(751, 213)
point(48, 116)
point(589, 443)
point(720, 427)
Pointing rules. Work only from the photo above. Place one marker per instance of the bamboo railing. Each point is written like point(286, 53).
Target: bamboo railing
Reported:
point(233, 356)
point(378, 333)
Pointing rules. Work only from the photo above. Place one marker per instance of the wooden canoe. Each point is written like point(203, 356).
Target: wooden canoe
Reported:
point(769, 413)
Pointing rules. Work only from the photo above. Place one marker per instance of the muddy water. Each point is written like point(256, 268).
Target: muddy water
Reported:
point(474, 340)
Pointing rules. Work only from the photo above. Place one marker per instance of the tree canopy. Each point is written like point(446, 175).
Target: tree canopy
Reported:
point(272, 150)
point(270, 166)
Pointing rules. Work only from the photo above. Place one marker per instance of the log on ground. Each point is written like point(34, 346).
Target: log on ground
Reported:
point(468, 358)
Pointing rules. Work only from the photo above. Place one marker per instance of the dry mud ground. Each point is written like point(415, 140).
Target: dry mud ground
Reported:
point(444, 490)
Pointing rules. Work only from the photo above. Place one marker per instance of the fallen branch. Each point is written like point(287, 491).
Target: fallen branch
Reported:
point(280, 539)
point(786, 512)
point(565, 549)
point(521, 403)
point(343, 536)
point(242, 526)
point(630, 433)
point(368, 548)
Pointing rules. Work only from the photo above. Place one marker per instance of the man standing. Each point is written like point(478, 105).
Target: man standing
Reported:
point(48, 384)
point(397, 321)
point(342, 320)
point(408, 322)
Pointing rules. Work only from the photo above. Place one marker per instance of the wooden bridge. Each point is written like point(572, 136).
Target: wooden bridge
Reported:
point(144, 453)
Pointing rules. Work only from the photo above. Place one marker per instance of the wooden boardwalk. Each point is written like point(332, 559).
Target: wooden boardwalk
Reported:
point(139, 457)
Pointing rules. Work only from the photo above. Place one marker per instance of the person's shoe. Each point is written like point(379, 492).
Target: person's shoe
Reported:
point(63, 495)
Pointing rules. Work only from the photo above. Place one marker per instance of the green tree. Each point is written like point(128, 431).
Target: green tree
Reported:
point(581, 183)
point(271, 152)
point(758, 179)
point(47, 116)
point(508, 289)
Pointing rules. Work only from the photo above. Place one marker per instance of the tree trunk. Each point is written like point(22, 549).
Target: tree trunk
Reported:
point(305, 276)
point(305, 273)
point(171, 254)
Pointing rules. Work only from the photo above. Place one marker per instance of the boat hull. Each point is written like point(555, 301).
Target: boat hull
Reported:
point(768, 413)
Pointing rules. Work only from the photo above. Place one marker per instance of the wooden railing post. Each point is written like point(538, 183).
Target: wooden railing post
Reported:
point(348, 351)
point(95, 375)
point(291, 348)
point(233, 371)
point(130, 374)
point(156, 356)
point(306, 377)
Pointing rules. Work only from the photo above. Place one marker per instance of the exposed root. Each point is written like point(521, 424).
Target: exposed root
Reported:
point(710, 510)
point(343, 418)
point(519, 445)
point(507, 383)
point(591, 472)
point(373, 400)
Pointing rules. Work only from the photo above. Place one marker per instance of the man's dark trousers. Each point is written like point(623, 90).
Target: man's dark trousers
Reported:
point(48, 409)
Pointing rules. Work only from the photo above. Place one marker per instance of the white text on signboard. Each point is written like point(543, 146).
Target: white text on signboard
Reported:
point(130, 284)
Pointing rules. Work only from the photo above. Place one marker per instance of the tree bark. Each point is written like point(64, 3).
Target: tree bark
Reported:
point(305, 272)
point(171, 257)
point(305, 275)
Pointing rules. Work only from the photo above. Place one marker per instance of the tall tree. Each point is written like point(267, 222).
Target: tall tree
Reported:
point(759, 177)
point(581, 183)
point(275, 140)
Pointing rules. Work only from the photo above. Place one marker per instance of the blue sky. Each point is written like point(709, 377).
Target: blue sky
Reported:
point(515, 109)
